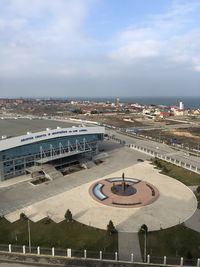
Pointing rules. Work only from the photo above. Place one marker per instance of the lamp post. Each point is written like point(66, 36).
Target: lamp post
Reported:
point(29, 235)
point(144, 228)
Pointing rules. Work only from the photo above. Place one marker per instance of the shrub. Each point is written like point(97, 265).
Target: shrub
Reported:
point(47, 220)
point(165, 169)
point(198, 190)
point(144, 228)
point(23, 217)
point(68, 216)
point(111, 228)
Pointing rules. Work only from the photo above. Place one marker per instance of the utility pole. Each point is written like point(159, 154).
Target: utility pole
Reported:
point(144, 228)
point(29, 235)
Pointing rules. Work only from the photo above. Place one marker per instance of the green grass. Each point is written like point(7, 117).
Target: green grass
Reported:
point(46, 233)
point(173, 242)
point(197, 194)
point(177, 241)
point(185, 176)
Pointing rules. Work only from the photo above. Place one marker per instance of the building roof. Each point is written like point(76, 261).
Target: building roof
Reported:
point(48, 134)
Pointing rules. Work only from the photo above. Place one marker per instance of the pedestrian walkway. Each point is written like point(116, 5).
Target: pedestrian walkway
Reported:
point(194, 221)
point(14, 181)
point(128, 243)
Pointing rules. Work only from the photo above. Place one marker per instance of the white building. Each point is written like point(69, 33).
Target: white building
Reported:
point(181, 105)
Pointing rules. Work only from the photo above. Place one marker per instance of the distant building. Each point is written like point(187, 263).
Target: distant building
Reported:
point(19, 101)
point(117, 101)
point(181, 106)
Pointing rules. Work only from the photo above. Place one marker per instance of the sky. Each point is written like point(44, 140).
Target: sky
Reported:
point(99, 48)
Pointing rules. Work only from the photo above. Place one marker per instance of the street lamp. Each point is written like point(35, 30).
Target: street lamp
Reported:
point(29, 235)
point(144, 229)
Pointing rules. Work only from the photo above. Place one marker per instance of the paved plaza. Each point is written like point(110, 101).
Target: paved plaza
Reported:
point(17, 195)
point(135, 194)
point(175, 204)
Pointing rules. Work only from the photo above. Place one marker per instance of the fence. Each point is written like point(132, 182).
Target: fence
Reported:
point(167, 158)
point(96, 255)
point(179, 163)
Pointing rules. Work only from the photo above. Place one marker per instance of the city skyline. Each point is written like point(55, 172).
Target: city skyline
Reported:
point(99, 48)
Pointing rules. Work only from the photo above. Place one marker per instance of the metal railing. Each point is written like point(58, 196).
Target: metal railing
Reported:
point(95, 255)
point(179, 163)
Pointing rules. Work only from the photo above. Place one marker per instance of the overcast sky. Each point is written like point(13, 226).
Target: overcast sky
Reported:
point(99, 48)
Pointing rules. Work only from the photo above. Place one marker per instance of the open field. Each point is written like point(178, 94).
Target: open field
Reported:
point(185, 176)
point(190, 137)
point(46, 233)
point(12, 127)
point(114, 119)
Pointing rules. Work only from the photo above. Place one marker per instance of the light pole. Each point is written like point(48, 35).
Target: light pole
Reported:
point(29, 235)
point(144, 228)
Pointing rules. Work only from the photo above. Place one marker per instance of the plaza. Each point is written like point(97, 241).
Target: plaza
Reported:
point(175, 204)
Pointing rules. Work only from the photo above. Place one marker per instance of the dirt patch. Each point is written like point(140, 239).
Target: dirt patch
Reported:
point(184, 134)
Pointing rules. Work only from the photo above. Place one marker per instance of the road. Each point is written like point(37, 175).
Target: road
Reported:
point(165, 126)
point(161, 149)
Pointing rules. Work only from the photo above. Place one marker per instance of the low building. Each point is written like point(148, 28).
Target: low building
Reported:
point(17, 154)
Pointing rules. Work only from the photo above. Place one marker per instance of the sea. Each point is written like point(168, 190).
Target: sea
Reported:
point(189, 102)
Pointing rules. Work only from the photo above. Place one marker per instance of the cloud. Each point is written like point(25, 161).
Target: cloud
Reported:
point(136, 50)
point(50, 43)
point(38, 34)
point(169, 36)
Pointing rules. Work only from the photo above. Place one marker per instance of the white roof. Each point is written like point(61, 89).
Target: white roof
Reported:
point(48, 134)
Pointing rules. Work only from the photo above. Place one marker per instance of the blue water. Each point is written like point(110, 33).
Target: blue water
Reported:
point(189, 102)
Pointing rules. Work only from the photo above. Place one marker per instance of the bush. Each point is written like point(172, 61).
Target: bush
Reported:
point(111, 228)
point(144, 228)
point(157, 162)
point(198, 190)
point(68, 216)
point(165, 169)
point(47, 220)
point(23, 217)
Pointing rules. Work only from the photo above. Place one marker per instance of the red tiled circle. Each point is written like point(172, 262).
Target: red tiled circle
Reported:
point(144, 194)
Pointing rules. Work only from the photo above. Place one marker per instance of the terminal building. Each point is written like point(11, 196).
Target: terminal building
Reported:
point(19, 154)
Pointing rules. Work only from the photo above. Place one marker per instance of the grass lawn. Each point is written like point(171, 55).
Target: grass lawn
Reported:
point(185, 176)
point(46, 233)
point(177, 241)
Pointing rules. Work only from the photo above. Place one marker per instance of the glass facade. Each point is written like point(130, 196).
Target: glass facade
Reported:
point(14, 161)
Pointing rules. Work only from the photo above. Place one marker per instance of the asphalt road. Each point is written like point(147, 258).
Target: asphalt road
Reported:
point(166, 126)
point(161, 149)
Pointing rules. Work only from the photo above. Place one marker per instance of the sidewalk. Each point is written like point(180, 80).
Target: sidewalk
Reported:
point(129, 243)
point(194, 221)
point(14, 181)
